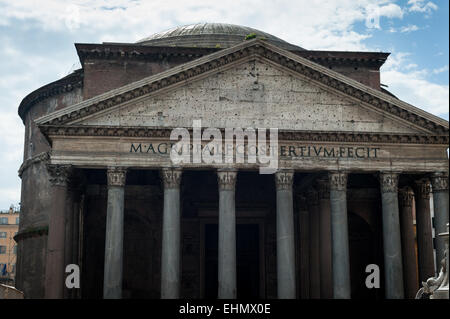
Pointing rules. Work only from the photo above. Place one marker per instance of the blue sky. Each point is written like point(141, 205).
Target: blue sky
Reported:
point(37, 45)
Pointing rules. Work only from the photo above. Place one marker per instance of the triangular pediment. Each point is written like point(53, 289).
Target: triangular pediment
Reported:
point(253, 84)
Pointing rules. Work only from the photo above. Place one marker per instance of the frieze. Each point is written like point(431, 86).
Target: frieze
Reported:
point(319, 136)
point(228, 56)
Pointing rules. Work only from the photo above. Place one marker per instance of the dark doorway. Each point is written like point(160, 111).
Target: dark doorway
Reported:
point(247, 260)
point(362, 253)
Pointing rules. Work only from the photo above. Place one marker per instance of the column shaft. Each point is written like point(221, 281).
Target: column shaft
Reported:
point(406, 197)
point(170, 254)
point(339, 235)
point(391, 236)
point(304, 247)
point(55, 267)
point(112, 282)
point(314, 245)
point(326, 268)
point(285, 235)
point(441, 212)
point(422, 191)
point(227, 235)
point(68, 235)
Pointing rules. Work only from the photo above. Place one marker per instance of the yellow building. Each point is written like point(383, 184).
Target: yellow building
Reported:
point(9, 225)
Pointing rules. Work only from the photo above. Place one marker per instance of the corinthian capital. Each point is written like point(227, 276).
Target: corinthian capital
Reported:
point(116, 176)
point(284, 179)
point(405, 196)
point(171, 177)
point(59, 174)
point(422, 188)
point(439, 181)
point(338, 180)
point(388, 182)
point(226, 179)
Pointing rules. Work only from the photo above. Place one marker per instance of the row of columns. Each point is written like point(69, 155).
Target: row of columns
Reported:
point(330, 266)
point(419, 194)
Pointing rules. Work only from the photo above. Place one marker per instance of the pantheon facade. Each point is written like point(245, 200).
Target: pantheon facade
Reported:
point(359, 174)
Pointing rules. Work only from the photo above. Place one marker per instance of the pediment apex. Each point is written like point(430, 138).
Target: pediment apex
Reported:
point(248, 50)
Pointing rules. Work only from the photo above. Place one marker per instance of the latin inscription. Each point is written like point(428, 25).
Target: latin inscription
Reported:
point(283, 150)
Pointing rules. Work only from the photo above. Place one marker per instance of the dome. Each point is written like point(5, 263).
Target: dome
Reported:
point(210, 35)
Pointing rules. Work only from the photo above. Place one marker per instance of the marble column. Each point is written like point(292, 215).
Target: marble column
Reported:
point(304, 245)
point(285, 235)
point(439, 183)
point(339, 235)
point(392, 246)
point(55, 267)
point(227, 234)
point(171, 253)
point(326, 268)
point(314, 244)
point(70, 202)
point(406, 197)
point(75, 187)
point(422, 190)
point(112, 282)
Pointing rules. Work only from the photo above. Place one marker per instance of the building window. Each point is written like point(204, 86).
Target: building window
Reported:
point(17, 220)
point(2, 250)
point(15, 250)
point(2, 234)
point(3, 220)
point(13, 268)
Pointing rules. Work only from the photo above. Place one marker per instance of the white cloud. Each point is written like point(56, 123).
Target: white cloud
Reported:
point(128, 21)
point(413, 86)
point(440, 70)
point(409, 28)
point(422, 6)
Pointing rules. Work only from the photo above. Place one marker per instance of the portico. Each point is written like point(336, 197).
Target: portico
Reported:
point(331, 208)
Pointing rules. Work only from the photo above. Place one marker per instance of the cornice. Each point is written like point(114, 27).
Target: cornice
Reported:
point(66, 84)
point(41, 157)
point(318, 136)
point(36, 231)
point(133, 51)
point(92, 51)
point(251, 49)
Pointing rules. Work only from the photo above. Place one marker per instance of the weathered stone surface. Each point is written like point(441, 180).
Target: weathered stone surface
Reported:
point(391, 236)
point(171, 235)
point(252, 94)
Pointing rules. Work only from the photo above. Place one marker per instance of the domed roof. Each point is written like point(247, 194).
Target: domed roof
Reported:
point(210, 35)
